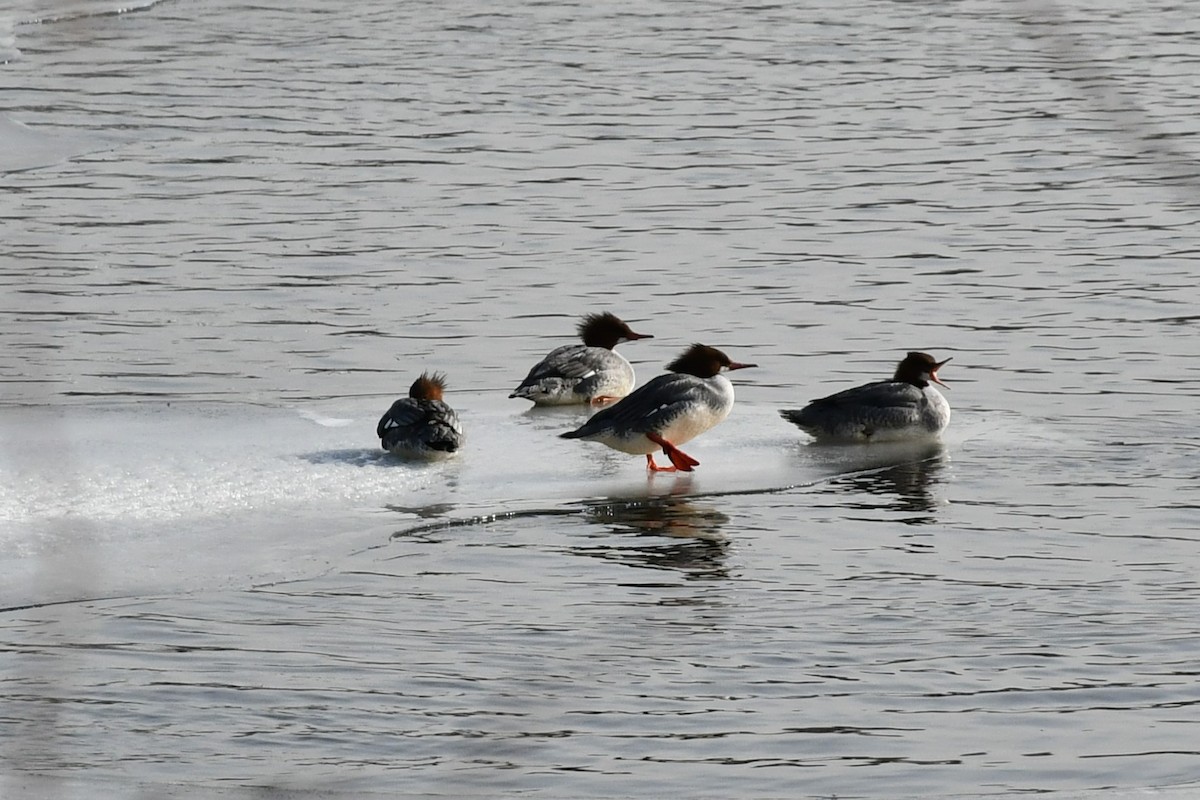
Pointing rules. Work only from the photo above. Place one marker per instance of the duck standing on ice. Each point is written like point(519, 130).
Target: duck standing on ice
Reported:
point(591, 372)
point(421, 425)
point(906, 407)
point(667, 411)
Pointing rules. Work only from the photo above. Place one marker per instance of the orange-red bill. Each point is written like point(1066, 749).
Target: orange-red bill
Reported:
point(933, 376)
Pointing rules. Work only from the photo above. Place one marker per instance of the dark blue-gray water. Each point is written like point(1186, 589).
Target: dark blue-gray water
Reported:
point(231, 235)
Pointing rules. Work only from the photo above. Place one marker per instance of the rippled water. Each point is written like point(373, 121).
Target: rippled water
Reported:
point(231, 235)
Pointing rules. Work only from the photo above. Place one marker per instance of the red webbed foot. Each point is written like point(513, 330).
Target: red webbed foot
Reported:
point(682, 461)
point(650, 465)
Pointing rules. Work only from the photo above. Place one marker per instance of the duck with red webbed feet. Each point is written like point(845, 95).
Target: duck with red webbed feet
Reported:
point(668, 411)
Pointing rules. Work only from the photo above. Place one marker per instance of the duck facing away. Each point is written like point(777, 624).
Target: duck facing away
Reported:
point(667, 411)
point(904, 408)
point(421, 425)
point(591, 372)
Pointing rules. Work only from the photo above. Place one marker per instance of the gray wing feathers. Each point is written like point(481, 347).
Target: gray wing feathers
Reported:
point(880, 395)
point(875, 406)
point(420, 425)
point(648, 408)
point(404, 413)
point(572, 361)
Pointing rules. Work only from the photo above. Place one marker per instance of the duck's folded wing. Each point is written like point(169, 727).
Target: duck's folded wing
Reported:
point(570, 362)
point(650, 406)
point(444, 416)
point(881, 395)
point(404, 413)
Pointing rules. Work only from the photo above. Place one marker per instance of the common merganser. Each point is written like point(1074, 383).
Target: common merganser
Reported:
point(584, 373)
point(906, 407)
point(421, 425)
point(668, 410)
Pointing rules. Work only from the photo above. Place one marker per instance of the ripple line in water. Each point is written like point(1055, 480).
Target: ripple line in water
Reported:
point(585, 507)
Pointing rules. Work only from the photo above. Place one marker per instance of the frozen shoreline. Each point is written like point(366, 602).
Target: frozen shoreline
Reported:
point(133, 499)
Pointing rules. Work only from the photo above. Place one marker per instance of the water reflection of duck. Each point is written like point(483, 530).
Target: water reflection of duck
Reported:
point(671, 534)
point(431, 511)
point(904, 474)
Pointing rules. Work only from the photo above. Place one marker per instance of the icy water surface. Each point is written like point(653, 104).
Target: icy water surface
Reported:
point(232, 235)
